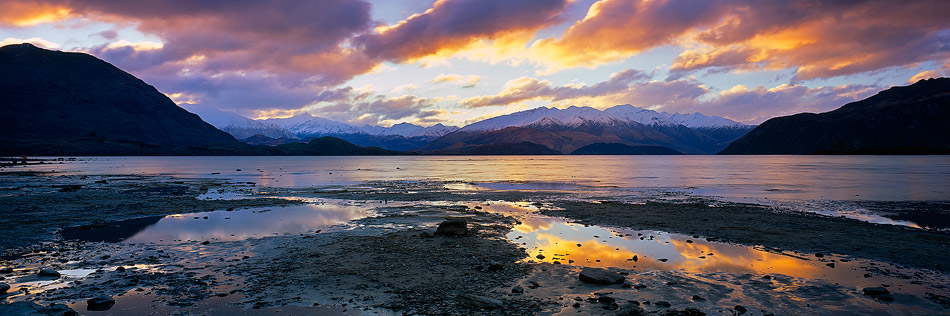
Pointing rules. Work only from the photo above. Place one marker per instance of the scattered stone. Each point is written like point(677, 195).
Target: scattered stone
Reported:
point(819, 255)
point(831, 264)
point(689, 311)
point(606, 300)
point(496, 267)
point(600, 276)
point(6, 270)
point(631, 309)
point(205, 242)
point(533, 284)
point(49, 273)
point(662, 304)
point(698, 298)
point(662, 259)
point(452, 228)
point(740, 309)
point(4, 288)
point(875, 291)
point(517, 289)
point(480, 301)
point(120, 269)
point(100, 303)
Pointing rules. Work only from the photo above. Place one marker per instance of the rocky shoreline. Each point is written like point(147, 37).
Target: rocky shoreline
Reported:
point(397, 260)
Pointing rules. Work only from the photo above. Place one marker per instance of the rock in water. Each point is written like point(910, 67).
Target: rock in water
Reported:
point(49, 273)
point(480, 301)
point(600, 276)
point(875, 291)
point(453, 227)
point(100, 303)
point(4, 288)
point(6, 270)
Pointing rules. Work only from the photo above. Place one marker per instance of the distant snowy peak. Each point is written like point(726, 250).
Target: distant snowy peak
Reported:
point(307, 125)
point(239, 126)
point(576, 116)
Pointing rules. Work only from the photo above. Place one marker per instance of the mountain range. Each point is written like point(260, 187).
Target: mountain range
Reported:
point(560, 131)
point(566, 130)
point(913, 119)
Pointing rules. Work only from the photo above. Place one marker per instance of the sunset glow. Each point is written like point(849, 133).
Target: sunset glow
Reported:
point(458, 61)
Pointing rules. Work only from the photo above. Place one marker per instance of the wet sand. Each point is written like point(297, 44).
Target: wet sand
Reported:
point(522, 255)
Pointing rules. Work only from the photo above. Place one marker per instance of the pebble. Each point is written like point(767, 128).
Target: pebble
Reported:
point(49, 273)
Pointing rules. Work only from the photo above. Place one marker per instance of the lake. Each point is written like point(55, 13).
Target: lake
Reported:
point(847, 178)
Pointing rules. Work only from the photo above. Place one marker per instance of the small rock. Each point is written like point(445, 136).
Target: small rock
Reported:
point(517, 289)
point(49, 273)
point(4, 288)
point(819, 255)
point(740, 309)
point(635, 258)
point(452, 228)
point(662, 259)
point(640, 286)
point(496, 267)
point(600, 276)
point(662, 304)
point(100, 303)
point(120, 269)
point(533, 284)
point(830, 264)
point(540, 257)
point(631, 309)
point(6, 270)
point(576, 305)
point(698, 298)
point(606, 300)
point(875, 291)
point(481, 301)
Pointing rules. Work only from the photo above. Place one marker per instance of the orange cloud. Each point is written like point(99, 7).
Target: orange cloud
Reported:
point(17, 13)
point(819, 40)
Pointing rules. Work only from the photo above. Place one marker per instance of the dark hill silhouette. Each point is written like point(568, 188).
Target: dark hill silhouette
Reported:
point(912, 119)
point(59, 103)
point(622, 149)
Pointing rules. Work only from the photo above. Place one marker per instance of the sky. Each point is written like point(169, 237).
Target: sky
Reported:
point(459, 61)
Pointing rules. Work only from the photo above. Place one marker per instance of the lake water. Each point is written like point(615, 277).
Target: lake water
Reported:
point(843, 178)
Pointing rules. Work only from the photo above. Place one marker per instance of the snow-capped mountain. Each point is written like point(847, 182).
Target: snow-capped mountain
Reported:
point(239, 126)
point(575, 116)
point(307, 126)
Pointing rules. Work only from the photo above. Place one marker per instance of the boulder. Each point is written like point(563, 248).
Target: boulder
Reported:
point(452, 228)
point(49, 273)
point(600, 276)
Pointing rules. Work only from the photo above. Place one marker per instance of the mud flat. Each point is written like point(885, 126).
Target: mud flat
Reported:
point(216, 247)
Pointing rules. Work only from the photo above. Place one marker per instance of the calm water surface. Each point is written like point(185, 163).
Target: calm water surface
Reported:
point(874, 178)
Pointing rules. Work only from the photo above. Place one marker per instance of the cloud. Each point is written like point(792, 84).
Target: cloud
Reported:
point(33, 40)
point(527, 88)
point(464, 81)
point(819, 39)
point(452, 25)
point(682, 95)
point(927, 74)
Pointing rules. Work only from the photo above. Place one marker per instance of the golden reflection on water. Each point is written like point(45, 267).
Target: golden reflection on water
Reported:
point(558, 242)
